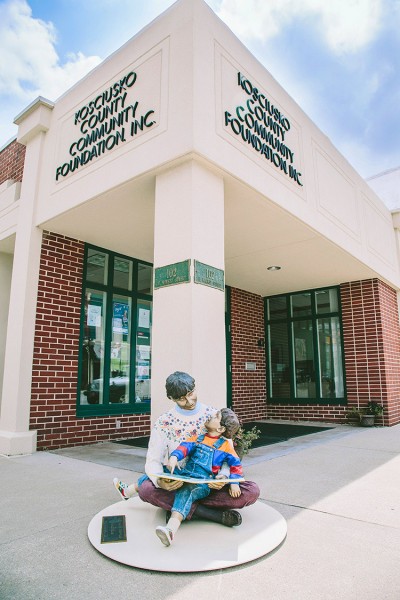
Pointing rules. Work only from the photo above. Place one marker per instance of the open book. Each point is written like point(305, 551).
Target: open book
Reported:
point(186, 479)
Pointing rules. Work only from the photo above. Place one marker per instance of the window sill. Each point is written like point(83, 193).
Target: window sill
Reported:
point(96, 410)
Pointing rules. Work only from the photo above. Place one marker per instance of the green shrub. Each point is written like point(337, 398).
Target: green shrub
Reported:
point(374, 408)
point(243, 440)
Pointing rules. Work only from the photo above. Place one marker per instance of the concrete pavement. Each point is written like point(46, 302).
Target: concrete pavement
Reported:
point(339, 491)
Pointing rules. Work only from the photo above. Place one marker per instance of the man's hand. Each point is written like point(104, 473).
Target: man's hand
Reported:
point(169, 485)
point(219, 482)
point(235, 490)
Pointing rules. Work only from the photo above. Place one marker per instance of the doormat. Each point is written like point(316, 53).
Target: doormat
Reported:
point(271, 433)
point(139, 442)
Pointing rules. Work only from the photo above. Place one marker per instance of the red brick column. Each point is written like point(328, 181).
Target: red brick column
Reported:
point(12, 159)
point(56, 349)
point(372, 346)
point(247, 327)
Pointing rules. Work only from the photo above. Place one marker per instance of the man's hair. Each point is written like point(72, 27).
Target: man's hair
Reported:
point(179, 384)
point(230, 421)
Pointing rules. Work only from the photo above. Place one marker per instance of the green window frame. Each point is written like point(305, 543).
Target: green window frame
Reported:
point(228, 345)
point(114, 371)
point(304, 348)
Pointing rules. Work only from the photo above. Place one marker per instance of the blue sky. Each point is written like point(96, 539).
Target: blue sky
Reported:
point(339, 59)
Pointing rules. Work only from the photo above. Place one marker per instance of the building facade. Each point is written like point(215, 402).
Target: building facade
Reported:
point(177, 210)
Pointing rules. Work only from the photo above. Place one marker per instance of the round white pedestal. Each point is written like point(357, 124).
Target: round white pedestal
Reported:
point(198, 545)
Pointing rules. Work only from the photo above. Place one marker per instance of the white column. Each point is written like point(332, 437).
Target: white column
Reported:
point(189, 318)
point(15, 436)
point(6, 261)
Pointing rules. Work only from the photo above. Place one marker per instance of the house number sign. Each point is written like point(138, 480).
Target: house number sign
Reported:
point(172, 274)
point(207, 275)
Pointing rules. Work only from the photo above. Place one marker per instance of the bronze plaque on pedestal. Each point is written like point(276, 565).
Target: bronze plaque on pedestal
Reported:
point(113, 529)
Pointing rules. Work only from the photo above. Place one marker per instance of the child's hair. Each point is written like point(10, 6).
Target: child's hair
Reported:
point(179, 384)
point(230, 421)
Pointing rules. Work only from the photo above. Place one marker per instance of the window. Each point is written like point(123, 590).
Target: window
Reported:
point(115, 343)
point(304, 347)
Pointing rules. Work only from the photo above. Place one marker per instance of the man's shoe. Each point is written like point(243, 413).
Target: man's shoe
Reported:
point(121, 488)
point(165, 535)
point(229, 518)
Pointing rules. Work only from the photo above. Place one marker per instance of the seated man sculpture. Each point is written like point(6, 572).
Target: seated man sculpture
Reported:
point(185, 419)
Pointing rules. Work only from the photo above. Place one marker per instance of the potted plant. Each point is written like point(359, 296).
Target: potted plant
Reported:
point(372, 410)
point(243, 440)
point(354, 416)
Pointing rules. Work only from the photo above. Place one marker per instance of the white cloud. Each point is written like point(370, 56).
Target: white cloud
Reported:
point(365, 159)
point(29, 63)
point(345, 25)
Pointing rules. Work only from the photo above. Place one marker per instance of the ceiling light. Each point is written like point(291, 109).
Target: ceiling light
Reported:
point(274, 268)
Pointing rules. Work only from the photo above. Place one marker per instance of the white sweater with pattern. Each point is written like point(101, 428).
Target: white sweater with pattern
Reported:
point(170, 428)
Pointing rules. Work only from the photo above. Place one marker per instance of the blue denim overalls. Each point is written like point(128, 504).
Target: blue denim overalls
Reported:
point(199, 465)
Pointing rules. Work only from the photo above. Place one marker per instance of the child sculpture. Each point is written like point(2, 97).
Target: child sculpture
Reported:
point(205, 453)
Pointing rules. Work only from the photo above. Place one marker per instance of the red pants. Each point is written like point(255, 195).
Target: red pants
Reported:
point(217, 499)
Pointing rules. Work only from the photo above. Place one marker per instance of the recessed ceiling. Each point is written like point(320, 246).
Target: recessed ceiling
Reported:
point(7, 245)
point(258, 233)
point(121, 220)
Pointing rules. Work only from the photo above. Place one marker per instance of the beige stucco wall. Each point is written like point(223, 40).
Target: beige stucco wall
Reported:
point(6, 261)
point(9, 208)
point(178, 79)
point(334, 200)
point(186, 64)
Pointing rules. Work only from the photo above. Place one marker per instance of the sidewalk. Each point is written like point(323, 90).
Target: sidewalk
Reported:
point(339, 491)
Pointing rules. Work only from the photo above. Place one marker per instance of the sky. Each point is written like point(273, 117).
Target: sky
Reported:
point(338, 59)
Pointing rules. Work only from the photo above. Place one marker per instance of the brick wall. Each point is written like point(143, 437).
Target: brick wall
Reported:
point(371, 339)
point(247, 327)
point(308, 412)
point(371, 336)
point(391, 347)
point(55, 360)
point(372, 346)
point(249, 388)
point(12, 159)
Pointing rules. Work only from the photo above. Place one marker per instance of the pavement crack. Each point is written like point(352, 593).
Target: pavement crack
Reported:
point(325, 512)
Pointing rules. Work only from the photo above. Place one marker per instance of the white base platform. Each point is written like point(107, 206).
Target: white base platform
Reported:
point(198, 545)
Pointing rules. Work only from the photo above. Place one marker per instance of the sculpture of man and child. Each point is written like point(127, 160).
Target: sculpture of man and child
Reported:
point(201, 436)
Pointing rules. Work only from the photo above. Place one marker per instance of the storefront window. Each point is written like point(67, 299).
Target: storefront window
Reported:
point(115, 356)
point(122, 275)
point(96, 266)
point(143, 349)
point(279, 360)
point(330, 356)
point(327, 301)
point(304, 347)
point(301, 305)
point(277, 308)
point(92, 355)
point(145, 279)
point(302, 335)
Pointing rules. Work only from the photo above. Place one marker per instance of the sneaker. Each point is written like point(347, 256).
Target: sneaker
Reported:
point(121, 488)
point(165, 535)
